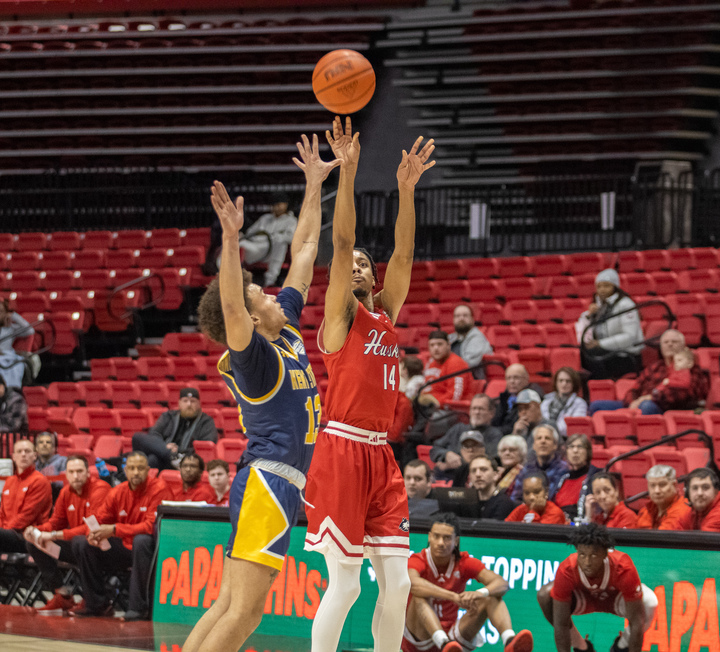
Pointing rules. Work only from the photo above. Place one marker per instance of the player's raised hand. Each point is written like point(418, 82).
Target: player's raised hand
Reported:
point(315, 169)
point(414, 164)
point(231, 215)
point(345, 145)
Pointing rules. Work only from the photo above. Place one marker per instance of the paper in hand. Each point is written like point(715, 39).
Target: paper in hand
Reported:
point(94, 526)
point(51, 548)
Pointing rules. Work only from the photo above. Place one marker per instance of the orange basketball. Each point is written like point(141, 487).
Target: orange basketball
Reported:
point(343, 81)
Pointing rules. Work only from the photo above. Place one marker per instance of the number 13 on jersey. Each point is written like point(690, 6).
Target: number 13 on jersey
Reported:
point(314, 415)
point(389, 376)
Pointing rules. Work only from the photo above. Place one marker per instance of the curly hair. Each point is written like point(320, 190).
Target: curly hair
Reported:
point(210, 313)
point(593, 535)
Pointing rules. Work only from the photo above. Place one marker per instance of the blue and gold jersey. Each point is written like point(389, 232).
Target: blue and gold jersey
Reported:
point(276, 392)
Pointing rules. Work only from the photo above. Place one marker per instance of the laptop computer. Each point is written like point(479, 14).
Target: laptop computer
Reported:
point(462, 501)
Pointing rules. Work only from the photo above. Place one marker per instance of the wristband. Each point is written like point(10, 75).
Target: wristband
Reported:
point(483, 592)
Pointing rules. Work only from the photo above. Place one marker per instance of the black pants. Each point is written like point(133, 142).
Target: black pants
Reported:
point(94, 563)
point(11, 541)
point(614, 367)
point(158, 454)
point(48, 565)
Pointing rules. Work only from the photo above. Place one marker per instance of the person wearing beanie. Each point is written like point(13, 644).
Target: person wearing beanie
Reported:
point(173, 434)
point(611, 345)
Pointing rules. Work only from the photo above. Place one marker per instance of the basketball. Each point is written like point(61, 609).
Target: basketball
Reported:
point(343, 81)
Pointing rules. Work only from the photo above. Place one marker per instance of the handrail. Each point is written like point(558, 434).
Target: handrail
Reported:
point(661, 442)
point(669, 315)
point(38, 331)
point(150, 304)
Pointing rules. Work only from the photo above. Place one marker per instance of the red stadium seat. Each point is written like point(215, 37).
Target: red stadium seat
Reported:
point(125, 393)
point(681, 259)
point(484, 290)
point(65, 241)
point(535, 361)
point(31, 241)
point(623, 386)
point(656, 260)
point(618, 427)
point(456, 291)
point(705, 257)
point(55, 260)
point(156, 368)
point(108, 446)
point(696, 458)
point(699, 280)
point(602, 390)
point(559, 335)
point(521, 310)
point(423, 453)
point(22, 261)
point(190, 369)
point(580, 425)
point(504, 337)
point(573, 308)
point(548, 310)
point(561, 287)
point(669, 456)
point(125, 368)
point(35, 396)
point(206, 450)
point(130, 239)
point(410, 315)
point(449, 270)
point(564, 357)
point(153, 394)
point(88, 259)
point(103, 369)
point(132, 420)
point(482, 268)
point(650, 428)
point(97, 393)
point(164, 238)
point(423, 292)
point(120, 259)
point(551, 265)
point(519, 288)
point(514, 267)
point(231, 423)
point(230, 449)
point(586, 263)
point(679, 420)
point(66, 394)
point(531, 336)
point(99, 240)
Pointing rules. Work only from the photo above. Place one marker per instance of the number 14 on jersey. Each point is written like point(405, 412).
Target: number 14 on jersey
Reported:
point(389, 376)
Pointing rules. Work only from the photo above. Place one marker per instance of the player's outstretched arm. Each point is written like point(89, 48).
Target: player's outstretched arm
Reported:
point(305, 241)
point(399, 269)
point(562, 623)
point(636, 615)
point(340, 304)
point(238, 325)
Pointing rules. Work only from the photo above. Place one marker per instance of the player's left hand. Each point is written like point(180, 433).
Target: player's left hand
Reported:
point(414, 164)
point(230, 214)
point(315, 169)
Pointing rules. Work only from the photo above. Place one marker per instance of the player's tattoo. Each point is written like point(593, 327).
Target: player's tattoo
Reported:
point(304, 287)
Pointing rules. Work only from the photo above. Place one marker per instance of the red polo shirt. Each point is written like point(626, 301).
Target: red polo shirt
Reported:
point(26, 500)
point(70, 508)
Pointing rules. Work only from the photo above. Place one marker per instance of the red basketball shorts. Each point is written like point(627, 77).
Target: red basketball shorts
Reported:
point(359, 505)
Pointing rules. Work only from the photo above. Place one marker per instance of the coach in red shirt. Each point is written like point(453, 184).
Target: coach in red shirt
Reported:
point(82, 496)
point(193, 488)
point(127, 519)
point(666, 507)
point(703, 492)
point(26, 498)
point(442, 362)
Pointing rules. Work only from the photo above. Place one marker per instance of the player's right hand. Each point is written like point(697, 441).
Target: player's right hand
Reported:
point(345, 146)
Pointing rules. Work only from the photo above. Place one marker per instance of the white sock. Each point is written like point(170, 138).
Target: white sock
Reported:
point(440, 638)
point(507, 635)
point(393, 589)
point(343, 589)
point(623, 643)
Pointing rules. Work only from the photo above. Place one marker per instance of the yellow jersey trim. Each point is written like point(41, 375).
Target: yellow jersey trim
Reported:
point(224, 367)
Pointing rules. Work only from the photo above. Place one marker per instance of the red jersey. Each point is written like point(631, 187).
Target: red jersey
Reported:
point(26, 500)
point(619, 580)
point(364, 375)
point(70, 508)
point(551, 515)
point(133, 512)
point(221, 502)
point(708, 520)
point(453, 578)
point(458, 388)
point(198, 493)
point(620, 517)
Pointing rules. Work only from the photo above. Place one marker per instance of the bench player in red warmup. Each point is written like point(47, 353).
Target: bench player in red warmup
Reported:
point(597, 578)
point(360, 504)
point(439, 576)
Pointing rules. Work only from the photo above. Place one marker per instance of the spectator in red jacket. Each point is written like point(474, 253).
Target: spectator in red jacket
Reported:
point(536, 508)
point(442, 362)
point(652, 395)
point(82, 496)
point(666, 508)
point(193, 489)
point(219, 478)
point(604, 507)
point(26, 498)
point(127, 518)
point(703, 492)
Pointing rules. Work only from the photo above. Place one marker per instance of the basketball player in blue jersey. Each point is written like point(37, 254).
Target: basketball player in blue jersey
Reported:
point(268, 372)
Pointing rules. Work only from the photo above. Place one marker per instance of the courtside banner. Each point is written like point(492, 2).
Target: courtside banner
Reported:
point(191, 555)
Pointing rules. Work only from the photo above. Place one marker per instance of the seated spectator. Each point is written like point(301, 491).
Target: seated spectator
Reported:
point(604, 507)
point(546, 457)
point(442, 362)
point(173, 434)
point(127, 519)
point(512, 451)
point(219, 479)
point(468, 340)
point(528, 404)
point(506, 414)
point(26, 498)
point(193, 488)
point(620, 336)
point(667, 508)
point(13, 409)
point(12, 364)
point(679, 377)
point(446, 451)
point(48, 462)
point(81, 497)
point(651, 395)
point(536, 508)
point(404, 417)
point(574, 484)
point(411, 376)
point(418, 480)
point(472, 445)
point(703, 492)
point(494, 503)
point(564, 400)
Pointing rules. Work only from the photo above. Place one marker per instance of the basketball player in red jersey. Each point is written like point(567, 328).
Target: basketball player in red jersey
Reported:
point(597, 578)
point(360, 506)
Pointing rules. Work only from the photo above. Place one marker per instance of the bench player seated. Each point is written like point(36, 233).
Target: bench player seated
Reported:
point(594, 579)
point(438, 576)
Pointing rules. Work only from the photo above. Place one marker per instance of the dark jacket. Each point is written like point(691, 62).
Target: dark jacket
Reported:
point(450, 441)
point(13, 412)
point(554, 470)
point(202, 428)
point(497, 507)
point(505, 418)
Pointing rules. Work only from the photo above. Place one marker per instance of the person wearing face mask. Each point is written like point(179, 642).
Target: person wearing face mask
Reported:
point(621, 335)
point(564, 400)
point(547, 457)
point(536, 507)
point(604, 507)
